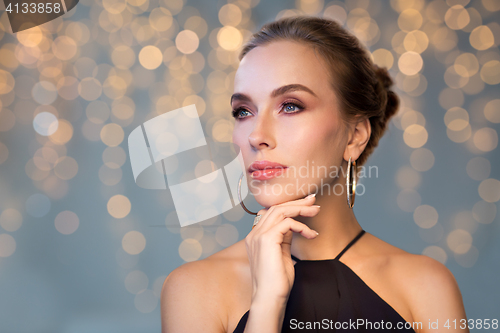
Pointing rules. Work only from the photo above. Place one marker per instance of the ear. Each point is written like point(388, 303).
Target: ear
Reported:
point(358, 137)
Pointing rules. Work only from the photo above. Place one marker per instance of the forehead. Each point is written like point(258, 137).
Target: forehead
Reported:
point(280, 63)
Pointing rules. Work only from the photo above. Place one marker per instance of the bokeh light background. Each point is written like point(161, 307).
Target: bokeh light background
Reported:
point(84, 249)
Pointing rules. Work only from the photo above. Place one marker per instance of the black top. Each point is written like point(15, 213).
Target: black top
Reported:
point(328, 296)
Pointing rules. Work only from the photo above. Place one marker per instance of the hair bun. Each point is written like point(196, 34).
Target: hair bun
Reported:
point(390, 101)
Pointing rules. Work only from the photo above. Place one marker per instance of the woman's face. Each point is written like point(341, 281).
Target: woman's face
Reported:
point(287, 112)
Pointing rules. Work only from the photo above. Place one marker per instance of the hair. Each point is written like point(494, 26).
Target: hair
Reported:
point(362, 87)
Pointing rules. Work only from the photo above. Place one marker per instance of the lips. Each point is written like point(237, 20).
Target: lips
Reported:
point(262, 170)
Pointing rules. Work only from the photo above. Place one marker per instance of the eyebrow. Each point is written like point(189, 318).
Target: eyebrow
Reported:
point(276, 92)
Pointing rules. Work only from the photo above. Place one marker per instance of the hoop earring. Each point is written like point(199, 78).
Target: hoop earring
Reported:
point(351, 185)
point(241, 200)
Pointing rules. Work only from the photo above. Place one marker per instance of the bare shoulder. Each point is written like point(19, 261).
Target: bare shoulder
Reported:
point(194, 297)
point(428, 287)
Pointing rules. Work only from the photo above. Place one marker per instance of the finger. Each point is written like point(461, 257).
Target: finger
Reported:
point(308, 200)
point(290, 224)
point(278, 213)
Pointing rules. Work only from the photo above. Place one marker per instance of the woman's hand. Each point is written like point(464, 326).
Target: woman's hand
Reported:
point(268, 248)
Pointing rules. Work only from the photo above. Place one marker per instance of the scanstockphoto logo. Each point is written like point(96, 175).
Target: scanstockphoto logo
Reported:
point(170, 151)
point(26, 14)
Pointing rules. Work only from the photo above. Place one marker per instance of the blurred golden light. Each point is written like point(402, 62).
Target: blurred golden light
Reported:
point(145, 301)
point(468, 259)
point(123, 108)
point(490, 72)
point(133, 242)
point(478, 168)
point(484, 212)
point(489, 190)
point(230, 14)
point(216, 82)
point(485, 139)
point(109, 176)
point(310, 7)
point(123, 57)
point(459, 136)
point(110, 22)
point(115, 86)
point(64, 48)
point(455, 80)
point(44, 92)
point(410, 63)
point(161, 19)
point(85, 67)
point(114, 6)
point(7, 245)
point(194, 231)
point(422, 159)
point(34, 172)
point(456, 119)
point(416, 41)
point(401, 5)
point(119, 207)
point(229, 38)
point(11, 219)
point(408, 199)
point(8, 56)
point(336, 13)
point(459, 241)
point(491, 5)
point(410, 117)
point(383, 58)
point(97, 112)
point(7, 120)
point(409, 20)
point(425, 216)
point(66, 168)
point(90, 89)
point(30, 37)
point(457, 17)
point(112, 134)
point(444, 39)
point(136, 281)
point(25, 55)
point(114, 157)
point(150, 57)
point(6, 82)
point(198, 25)
point(415, 136)
point(436, 253)
point(78, 32)
point(407, 178)
point(63, 134)
point(226, 234)
point(187, 41)
point(45, 158)
point(66, 222)
point(67, 87)
point(465, 221)
point(466, 65)
point(481, 38)
point(492, 111)
point(190, 250)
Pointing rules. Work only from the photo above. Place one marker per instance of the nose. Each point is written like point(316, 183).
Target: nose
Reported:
point(262, 135)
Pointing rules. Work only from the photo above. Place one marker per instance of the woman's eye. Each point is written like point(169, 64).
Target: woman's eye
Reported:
point(237, 112)
point(291, 108)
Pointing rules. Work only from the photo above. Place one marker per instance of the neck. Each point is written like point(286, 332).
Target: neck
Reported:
point(335, 223)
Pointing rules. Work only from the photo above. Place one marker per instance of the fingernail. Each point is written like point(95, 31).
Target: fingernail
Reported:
point(317, 233)
point(311, 195)
point(316, 206)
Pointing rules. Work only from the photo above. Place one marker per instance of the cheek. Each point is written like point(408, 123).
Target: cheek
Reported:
point(319, 141)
